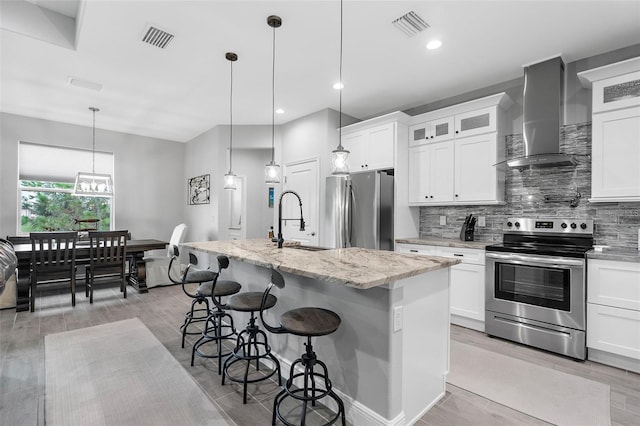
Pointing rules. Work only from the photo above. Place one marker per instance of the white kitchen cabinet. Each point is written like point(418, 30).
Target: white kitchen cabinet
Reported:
point(615, 159)
point(436, 130)
point(372, 148)
point(466, 282)
point(467, 293)
point(476, 176)
point(613, 313)
point(476, 122)
point(431, 173)
point(615, 175)
point(477, 145)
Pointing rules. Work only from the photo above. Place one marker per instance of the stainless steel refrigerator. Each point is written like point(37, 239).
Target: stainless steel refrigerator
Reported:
point(359, 210)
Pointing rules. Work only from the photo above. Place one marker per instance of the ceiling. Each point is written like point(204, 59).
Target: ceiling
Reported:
point(182, 91)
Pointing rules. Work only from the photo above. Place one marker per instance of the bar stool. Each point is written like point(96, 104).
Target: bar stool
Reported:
point(194, 315)
point(215, 330)
point(251, 343)
point(306, 322)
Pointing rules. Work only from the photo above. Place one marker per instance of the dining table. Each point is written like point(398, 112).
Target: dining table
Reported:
point(135, 255)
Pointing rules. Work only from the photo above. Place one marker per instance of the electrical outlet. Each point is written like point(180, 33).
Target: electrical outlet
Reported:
point(443, 220)
point(481, 221)
point(397, 318)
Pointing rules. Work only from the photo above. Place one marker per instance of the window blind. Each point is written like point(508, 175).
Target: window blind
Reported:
point(59, 164)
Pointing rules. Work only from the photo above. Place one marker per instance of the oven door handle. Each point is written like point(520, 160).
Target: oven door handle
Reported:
point(516, 258)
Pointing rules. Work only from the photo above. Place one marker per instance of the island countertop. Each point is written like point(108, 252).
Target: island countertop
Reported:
point(353, 267)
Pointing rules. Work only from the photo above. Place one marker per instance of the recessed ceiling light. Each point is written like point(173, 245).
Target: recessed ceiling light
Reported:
point(279, 111)
point(338, 86)
point(434, 44)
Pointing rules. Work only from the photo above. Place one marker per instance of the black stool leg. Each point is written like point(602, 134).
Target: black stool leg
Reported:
point(244, 352)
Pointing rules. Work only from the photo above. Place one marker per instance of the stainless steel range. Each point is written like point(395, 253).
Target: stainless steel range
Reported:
point(536, 284)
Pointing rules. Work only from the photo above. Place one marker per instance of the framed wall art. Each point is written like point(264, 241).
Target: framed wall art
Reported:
point(198, 190)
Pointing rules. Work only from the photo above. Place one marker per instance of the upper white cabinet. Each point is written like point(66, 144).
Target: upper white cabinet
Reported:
point(476, 177)
point(615, 175)
point(432, 165)
point(459, 166)
point(476, 122)
point(436, 130)
point(372, 143)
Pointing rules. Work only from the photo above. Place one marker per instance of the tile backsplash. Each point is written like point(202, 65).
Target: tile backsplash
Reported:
point(544, 192)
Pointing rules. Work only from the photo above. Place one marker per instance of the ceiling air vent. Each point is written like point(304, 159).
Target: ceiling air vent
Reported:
point(410, 24)
point(157, 37)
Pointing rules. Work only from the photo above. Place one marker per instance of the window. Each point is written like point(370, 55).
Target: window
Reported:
point(51, 206)
point(47, 174)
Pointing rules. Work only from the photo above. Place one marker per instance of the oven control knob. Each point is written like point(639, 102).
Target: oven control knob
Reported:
point(564, 225)
point(509, 224)
point(583, 226)
point(573, 226)
point(517, 224)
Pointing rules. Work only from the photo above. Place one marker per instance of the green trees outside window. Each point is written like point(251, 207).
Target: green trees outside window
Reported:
point(51, 206)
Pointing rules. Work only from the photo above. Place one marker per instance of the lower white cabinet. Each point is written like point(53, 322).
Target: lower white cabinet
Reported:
point(613, 313)
point(466, 288)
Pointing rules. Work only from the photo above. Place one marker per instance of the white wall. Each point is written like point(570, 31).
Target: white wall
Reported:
point(208, 153)
point(148, 177)
point(314, 136)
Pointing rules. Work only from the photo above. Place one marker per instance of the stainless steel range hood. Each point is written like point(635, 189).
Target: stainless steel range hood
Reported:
point(543, 114)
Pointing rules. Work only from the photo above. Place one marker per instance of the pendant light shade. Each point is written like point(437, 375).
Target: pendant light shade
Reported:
point(230, 177)
point(92, 184)
point(340, 156)
point(272, 170)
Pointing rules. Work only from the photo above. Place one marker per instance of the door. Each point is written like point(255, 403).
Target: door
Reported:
point(441, 172)
point(357, 144)
point(475, 174)
point(301, 177)
point(381, 147)
point(616, 154)
point(419, 174)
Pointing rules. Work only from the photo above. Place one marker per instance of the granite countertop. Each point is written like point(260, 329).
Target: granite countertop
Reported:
point(613, 253)
point(353, 267)
point(480, 245)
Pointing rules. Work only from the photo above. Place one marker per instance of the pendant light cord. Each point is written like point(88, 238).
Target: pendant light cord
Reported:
point(341, 85)
point(93, 167)
point(231, 119)
point(273, 97)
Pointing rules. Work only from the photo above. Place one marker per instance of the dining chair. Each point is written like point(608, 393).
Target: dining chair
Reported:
point(107, 259)
point(53, 259)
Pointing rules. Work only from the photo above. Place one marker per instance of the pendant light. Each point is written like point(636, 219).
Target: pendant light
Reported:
point(272, 170)
point(93, 184)
point(340, 156)
point(230, 177)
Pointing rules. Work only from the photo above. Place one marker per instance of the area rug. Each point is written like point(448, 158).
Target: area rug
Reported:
point(544, 393)
point(120, 374)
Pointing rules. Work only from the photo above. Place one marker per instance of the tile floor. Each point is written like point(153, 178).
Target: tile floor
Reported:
point(162, 310)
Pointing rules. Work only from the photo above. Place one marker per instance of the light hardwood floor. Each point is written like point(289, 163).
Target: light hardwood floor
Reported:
point(162, 311)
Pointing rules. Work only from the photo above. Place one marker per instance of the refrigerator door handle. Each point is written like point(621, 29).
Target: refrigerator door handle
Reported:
point(350, 206)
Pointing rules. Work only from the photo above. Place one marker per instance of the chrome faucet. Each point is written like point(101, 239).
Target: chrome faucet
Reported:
point(279, 239)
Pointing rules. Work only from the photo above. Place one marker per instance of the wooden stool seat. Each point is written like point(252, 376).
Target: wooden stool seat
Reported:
point(223, 288)
point(199, 276)
point(310, 321)
point(250, 301)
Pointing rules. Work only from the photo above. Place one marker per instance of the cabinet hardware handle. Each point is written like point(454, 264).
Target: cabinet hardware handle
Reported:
point(457, 131)
point(426, 196)
point(456, 195)
point(432, 137)
point(432, 196)
point(458, 255)
point(413, 251)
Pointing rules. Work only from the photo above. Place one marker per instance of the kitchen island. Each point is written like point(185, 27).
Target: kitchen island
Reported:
point(389, 359)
